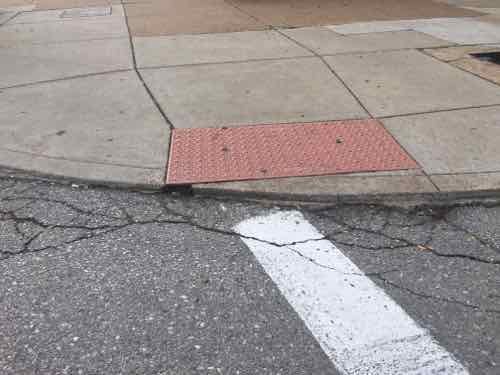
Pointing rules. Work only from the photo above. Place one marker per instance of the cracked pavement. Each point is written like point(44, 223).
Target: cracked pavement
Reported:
point(103, 281)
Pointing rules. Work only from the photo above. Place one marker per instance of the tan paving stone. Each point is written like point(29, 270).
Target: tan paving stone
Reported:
point(189, 17)
point(404, 82)
point(324, 41)
point(14, 3)
point(326, 12)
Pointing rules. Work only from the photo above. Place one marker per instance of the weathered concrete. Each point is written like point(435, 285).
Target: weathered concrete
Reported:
point(461, 58)
point(298, 90)
point(211, 48)
point(84, 172)
point(325, 188)
point(325, 42)
point(462, 31)
point(100, 123)
point(63, 31)
point(65, 4)
point(115, 12)
point(484, 69)
point(455, 53)
point(463, 141)
point(405, 82)
point(467, 182)
point(23, 64)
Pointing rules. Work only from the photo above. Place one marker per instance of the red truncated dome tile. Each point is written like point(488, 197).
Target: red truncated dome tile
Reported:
point(283, 150)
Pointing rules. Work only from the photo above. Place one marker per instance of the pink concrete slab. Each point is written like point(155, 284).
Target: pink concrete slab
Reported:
point(187, 17)
point(324, 12)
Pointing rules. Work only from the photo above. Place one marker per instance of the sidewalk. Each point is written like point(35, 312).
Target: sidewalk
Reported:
point(289, 99)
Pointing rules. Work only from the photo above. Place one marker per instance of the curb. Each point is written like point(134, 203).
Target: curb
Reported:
point(401, 198)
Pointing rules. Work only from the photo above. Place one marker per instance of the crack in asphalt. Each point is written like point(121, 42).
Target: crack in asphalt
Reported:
point(94, 225)
point(405, 243)
point(433, 297)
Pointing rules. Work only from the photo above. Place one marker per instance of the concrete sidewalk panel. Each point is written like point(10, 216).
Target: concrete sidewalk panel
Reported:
point(472, 3)
point(326, 12)
point(280, 91)
point(57, 15)
point(462, 141)
point(462, 31)
point(325, 42)
point(106, 120)
point(187, 17)
point(382, 26)
point(485, 69)
point(63, 31)
point(211, 48)
point(35, 63)
point(66, 4)
point(405, 82)
point(467, 30)
point(373, 27)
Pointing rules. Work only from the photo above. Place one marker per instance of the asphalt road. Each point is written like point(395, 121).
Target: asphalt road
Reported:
point(102, 281)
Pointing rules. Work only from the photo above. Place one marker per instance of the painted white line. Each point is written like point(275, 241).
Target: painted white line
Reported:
point(360, 328)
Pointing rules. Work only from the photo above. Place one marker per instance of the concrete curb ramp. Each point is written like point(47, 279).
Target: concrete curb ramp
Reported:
point(88, 100)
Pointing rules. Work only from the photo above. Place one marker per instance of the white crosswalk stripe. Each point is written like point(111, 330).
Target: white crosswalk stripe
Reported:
point(360, 328)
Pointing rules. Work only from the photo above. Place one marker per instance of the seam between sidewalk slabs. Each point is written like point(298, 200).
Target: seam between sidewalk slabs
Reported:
point(458, 68)
point(66, 78)
point(310, 55)
point(153, 99)
point(10, 18)
point(61, 41)
point(353, 94)
point(464, 173)
point(439, 111)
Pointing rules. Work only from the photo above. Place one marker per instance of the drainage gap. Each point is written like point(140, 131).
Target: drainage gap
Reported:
point(493, 57)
